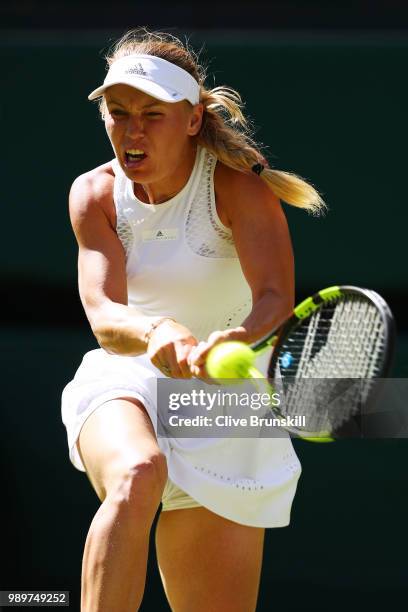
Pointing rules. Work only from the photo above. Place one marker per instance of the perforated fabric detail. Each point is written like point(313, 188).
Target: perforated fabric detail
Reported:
point(238, 314)
point(124, 231)
point(203, 232)
point(245, 484)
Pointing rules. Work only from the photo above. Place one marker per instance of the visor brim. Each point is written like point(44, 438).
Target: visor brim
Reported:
point(165, 94)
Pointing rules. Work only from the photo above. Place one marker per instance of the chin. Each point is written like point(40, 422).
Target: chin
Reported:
point(139, 173)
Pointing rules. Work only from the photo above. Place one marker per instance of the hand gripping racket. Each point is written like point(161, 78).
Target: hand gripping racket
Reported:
point(325, 359)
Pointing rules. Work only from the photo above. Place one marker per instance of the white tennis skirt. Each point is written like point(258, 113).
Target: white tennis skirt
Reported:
point(251, 481)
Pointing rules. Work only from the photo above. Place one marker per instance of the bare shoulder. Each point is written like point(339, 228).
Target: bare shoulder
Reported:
point(241, 194)
point(93, 192)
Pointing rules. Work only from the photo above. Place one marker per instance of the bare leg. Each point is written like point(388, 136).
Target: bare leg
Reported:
point(128, 471)
point(208, 563)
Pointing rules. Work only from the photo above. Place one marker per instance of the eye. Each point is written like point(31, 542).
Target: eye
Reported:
point(154, 114)
point(117, 112)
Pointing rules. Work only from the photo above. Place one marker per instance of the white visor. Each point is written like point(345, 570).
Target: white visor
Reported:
point(155, 76)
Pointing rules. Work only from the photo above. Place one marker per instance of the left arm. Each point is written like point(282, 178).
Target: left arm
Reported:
point(264, 248)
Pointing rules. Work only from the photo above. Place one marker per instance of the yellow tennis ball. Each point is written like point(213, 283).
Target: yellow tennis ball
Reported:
point(230, 360)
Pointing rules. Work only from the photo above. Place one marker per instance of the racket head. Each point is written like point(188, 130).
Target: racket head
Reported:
point(342, 333)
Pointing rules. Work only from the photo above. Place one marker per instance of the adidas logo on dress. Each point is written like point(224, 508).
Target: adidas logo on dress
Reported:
point(160, 234)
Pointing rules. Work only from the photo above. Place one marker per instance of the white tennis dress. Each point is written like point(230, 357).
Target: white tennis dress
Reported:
point(181, 262)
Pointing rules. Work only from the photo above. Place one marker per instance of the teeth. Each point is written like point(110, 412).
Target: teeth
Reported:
point(135, 152)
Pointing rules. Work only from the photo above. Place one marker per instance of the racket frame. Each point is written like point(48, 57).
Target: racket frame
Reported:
point(304, 310)
point(307, 307)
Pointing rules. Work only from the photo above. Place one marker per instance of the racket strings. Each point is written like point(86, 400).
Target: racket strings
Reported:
point(351, 335)
point(343, 341)
point(325, 405)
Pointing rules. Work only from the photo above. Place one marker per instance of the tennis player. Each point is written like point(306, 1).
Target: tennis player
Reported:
point(182, 244)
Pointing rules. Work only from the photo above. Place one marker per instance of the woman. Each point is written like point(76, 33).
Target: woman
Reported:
point(182, 244)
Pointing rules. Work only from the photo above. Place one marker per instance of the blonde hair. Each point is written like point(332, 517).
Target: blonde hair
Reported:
point(225, 131)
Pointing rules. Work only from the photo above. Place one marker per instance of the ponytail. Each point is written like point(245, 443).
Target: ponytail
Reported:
point(225, 132)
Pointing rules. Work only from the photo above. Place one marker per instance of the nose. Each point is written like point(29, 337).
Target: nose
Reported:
point(134, 127)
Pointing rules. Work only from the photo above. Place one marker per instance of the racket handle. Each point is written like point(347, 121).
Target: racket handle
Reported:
point(262, 346)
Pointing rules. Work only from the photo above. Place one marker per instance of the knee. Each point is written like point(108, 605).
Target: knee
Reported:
point(138, 482)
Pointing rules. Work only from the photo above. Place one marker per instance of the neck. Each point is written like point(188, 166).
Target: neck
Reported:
point(170, 186)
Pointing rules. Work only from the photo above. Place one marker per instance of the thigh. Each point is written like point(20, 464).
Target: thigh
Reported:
point(119, 433)
point(207, 562)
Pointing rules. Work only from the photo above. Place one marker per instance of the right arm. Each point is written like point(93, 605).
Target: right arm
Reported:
point(118, 328)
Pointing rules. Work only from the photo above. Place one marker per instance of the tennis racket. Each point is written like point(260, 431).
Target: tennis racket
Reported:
point(326, 359)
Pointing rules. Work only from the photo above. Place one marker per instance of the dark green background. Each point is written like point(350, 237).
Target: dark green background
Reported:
point(332, 112)
point(331, 108)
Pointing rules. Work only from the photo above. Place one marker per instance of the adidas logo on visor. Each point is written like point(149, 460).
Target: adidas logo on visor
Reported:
point(138, 69)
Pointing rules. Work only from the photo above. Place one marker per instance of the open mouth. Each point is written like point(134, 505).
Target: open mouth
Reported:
point(133, 156)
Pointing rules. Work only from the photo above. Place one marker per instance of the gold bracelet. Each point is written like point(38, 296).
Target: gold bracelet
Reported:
point(153, 326)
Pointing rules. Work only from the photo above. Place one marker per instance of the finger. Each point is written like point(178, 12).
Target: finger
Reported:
point(171, 362)
point(181, 353)
point(182, 359)
point(200, 372)
point(195, 371)
point(163, 366)
point(198, 352)
point(217, 337)
point(191, 356)
point(160, 365)
point(162, 361)
point(201, 357)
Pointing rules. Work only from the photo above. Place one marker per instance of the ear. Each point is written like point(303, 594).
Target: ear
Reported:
point(195, 120)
